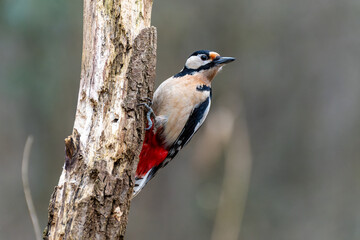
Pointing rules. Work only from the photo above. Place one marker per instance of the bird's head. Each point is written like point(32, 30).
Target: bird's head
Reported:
point(204, 62)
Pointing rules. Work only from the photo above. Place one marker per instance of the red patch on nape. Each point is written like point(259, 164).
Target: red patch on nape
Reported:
point(152, 153)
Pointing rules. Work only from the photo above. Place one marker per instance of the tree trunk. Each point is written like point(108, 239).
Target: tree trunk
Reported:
point(92, 198)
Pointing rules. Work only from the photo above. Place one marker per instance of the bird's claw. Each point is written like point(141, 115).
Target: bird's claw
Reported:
point(148, 115)
point(146, 100)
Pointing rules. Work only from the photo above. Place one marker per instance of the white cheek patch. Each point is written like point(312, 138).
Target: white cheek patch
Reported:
point(194, 62)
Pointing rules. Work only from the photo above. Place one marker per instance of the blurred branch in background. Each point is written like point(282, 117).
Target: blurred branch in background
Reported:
point(26, 185)
point(235, 183)
point(226, 133)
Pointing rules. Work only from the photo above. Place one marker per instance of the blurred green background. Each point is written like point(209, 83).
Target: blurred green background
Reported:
point(294, 89)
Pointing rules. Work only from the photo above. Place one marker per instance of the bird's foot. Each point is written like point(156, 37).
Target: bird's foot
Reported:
point(148, 114)
point(147, 100)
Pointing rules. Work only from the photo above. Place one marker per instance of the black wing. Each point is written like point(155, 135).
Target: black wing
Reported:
point(193, 124)
point(196, 119)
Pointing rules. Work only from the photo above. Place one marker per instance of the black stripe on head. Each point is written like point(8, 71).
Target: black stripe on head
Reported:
point(206, 52)
point(188, 71)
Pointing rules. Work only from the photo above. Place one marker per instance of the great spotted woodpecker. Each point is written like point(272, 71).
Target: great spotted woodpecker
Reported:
point(180, 106)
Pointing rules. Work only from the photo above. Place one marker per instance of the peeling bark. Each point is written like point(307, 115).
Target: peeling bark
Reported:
point(92, 198)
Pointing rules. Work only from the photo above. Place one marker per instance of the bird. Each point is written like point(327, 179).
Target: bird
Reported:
point(178, 109)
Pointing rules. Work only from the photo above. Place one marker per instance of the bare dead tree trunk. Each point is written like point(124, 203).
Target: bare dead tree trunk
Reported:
point(92, 198)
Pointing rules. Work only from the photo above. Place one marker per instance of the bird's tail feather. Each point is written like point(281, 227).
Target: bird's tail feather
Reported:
point(140, 182)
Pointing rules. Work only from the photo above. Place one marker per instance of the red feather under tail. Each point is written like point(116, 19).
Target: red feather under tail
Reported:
point(152, 154)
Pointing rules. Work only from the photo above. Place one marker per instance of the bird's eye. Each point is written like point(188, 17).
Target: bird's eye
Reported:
point(204, 57)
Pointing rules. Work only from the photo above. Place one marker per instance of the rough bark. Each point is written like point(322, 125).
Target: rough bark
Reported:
point(92, 198)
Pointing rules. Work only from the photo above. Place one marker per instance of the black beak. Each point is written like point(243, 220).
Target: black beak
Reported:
point(223, 60)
